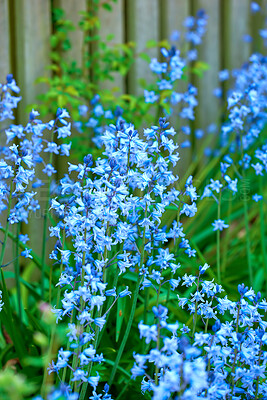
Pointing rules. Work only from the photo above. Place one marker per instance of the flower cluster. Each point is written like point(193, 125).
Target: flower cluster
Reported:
point(18, 162)
point(105, 221)
point(226, 360)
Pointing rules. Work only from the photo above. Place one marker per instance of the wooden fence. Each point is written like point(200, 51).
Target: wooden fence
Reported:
point(26, 25)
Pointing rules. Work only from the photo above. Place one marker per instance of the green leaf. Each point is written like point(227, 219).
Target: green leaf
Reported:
point(8, 274)
point(167, 108)
point(8, 321)
point(151, 43)
point(131, 276)
point(202, 65)
point(120, 314)
point(34, 361)
point(110, 37)
point(35, 323)
point(145, 57)
point(107, 6)
point(258, 280)
point(164, 43)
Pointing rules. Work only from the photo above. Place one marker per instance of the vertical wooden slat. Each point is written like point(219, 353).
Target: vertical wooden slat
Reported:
point(142, 25)
point(33, 29)
point(173, 14)
point(236, 15)
point(208, 109)
point(71, 11)
point(5, 66)
point(32, 25)
point(113, 23)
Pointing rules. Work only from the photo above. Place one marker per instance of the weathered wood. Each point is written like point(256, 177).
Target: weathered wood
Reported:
point(142, 25)
point(5, 66)
point(33, 29)
point(113, 23)
point(236, 16)
point(173, 14)
point(72, 9)
point(208, 109)
point(32, 25)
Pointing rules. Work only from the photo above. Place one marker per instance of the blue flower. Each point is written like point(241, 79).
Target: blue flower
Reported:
point(219, 224)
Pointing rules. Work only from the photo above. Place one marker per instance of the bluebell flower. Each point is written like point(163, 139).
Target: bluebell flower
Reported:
point(26, 253)
point(254, 7)
point(256, 197)
point(219, 224)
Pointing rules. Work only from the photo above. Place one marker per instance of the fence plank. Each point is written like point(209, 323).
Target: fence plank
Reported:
point(236, 15)
point(142, 25)
point(5, 66)
point(208, 110)
point(32, 25)
point(33, 28)
point(113, 23)
point(173, 14)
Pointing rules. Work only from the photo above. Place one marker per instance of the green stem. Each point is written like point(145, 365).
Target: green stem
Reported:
point(250, 270)
point(97, 331)
point(53, 332)
point(175, 251)
point(158, 338)
point(35, 258)
point(258, 378)
point(68, 347)
point(262, 229)
point(17, 273)
point(218, 242)
point(195, 313)
point(236, 352)
point(7, 226)
point(45, 221)
point(157, 367)
point(44, 240)
point(227, 238)
point(109, 302)
point(126, 334)
point(131, 317)
point(76, 355)
point(248, 245)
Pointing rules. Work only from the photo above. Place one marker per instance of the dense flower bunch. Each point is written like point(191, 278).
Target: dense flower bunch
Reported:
point(108, 222)
point(247, 106)
point(96, 118)
point(170, 72)
point(227, 362)
point(18, 162)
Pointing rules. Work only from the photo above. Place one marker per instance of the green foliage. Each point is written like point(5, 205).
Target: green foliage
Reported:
point(14, 386)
